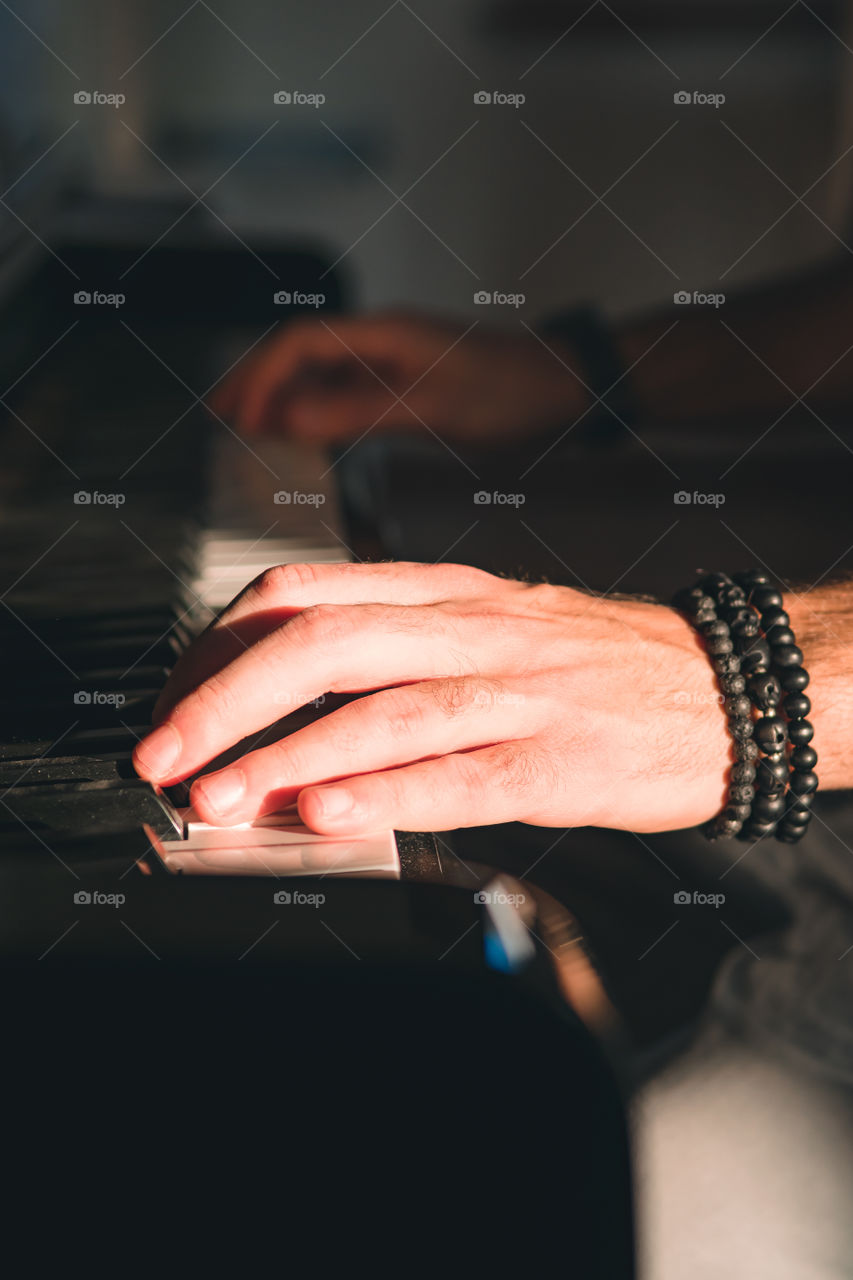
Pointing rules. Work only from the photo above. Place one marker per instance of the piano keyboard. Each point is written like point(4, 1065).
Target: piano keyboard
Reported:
point(121, 539)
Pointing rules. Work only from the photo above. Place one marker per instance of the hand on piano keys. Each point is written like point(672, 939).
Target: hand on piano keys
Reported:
point(489, 700)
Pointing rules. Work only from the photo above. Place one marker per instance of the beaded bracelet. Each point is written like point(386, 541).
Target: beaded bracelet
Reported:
point(793, 678)
point(701, 608)
point(752, 648)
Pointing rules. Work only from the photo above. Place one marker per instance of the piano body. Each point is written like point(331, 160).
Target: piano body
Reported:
point(129, 515)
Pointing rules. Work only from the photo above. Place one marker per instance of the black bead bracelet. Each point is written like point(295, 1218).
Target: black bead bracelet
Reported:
point(701, 608)
point(786, 665)
point(760, 670)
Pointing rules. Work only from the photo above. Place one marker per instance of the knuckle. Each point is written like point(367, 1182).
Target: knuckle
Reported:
point(216, 701)
point(455, 696)
point(281, 579)
point(322, 624)
point(405, 717)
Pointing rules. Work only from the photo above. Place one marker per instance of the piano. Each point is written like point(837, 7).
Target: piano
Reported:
point(128, 516)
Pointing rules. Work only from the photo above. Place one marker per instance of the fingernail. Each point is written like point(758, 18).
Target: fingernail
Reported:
point(223, 791)
point(334, 802)
point(156, 755)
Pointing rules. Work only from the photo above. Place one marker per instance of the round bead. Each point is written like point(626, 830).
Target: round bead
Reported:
point(756, 660)
point(711, 583)
point(780, 637)
point(788, 835)
point(742, 772)
point(704, 616)
point(771, 776)
point(770, 734)
point(768, 808)
point(751, 578)
point(723, 827)
point(787, 655)
point(775, 618)
point(741, 729)
point(796, 817)
point(746, 750)
point(745, 630)
point(802, 784)
point(715, 628)
point(804, 801)
point(797, 705)
point(803, 758)
point(800, 732)
point(756, 830)
point(765, 691)
point(741, 615)
point(742, 793)
point(739, 706)
point(766, 598)
point(732, 685)
point(736, 813)
point(794, 679)
point(719, 644)
point(726, 664)
point(702, 604)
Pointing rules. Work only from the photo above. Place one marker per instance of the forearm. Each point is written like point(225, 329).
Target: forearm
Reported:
point(822, 621)
point(799, 328)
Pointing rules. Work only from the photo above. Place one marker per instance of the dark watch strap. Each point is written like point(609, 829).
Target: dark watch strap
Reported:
point(601, 369)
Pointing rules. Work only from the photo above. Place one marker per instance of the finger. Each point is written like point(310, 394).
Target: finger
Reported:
point(388, 729)
point(323, 648)
point(284, 590)
point(330, 417)
point(301, 348)
point(500, 783)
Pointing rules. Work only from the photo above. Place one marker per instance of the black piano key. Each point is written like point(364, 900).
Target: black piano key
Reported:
point(56, 814)
point(71, 769)
point(102, 741)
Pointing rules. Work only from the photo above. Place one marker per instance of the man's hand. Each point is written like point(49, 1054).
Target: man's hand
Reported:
point(495, 701)
point(328, 382)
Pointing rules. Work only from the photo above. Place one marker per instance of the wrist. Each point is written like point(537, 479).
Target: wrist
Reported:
point(822, 622)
